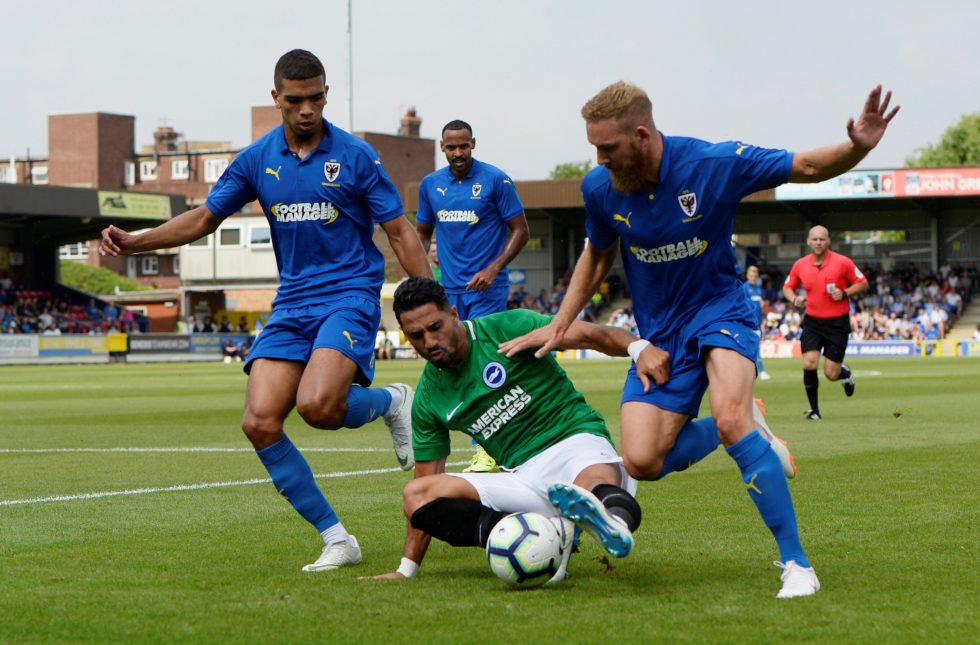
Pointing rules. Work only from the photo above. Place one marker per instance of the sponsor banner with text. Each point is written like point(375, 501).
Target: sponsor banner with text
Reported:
point(938, 182)
point(18, 346)
point(71, 345)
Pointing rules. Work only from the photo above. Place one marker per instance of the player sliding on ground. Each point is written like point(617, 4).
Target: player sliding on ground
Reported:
point(554, 449)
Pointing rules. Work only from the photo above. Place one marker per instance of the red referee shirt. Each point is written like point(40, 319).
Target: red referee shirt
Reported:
point(837, 271)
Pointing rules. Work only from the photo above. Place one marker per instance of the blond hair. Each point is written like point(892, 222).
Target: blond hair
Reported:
point(622, 101)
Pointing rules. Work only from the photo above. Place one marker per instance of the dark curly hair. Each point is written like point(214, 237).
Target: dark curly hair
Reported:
point(417, 291)
point(297, 65)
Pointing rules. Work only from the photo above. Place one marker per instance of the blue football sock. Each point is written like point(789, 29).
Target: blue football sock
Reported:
point(766, 482)
point(695, 441)
point(365, 404)
point(759, 367)
point(293, 478)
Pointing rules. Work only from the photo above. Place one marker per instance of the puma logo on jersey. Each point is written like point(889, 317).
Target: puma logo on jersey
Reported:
point(442, 191)
point(349, 339)
point(274, 173)
point(625, 220)
point(739, 150)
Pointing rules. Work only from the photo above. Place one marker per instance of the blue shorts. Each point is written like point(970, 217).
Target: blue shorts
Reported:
point(688, 378)
point(348, 325)
point(475, 304)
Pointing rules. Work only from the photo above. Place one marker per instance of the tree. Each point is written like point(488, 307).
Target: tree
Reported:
point(959, 146)
point(96, 280)
point(571, 170)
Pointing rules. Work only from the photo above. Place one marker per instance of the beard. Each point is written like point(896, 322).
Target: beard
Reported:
point(630, 177)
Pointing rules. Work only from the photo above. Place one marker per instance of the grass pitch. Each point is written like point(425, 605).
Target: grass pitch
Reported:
point(132, 510)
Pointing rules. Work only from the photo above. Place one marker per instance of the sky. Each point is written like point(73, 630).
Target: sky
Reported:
point(771, 73)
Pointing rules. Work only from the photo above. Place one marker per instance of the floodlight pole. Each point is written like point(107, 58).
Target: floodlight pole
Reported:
point(350, 69)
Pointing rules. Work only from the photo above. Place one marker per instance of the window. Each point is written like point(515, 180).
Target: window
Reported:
point(39, 175)
point(148, 171)
point(129, 173)
point(259, 236)
point(76, 251)
point(203, 242)
point(213, 168)
point(230, 237)
point(180, 169)
point(8, 174)
point(150, 264)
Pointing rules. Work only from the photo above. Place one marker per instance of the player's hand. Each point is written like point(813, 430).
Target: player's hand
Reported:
point(482, 280)
point(870, 126)
point(546, 338)
point(838, 294)
point(653, 363)
point(393, 575)
point(114, 241)
point(798, 301)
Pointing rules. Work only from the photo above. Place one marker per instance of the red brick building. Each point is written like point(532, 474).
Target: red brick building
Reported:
point(98, 151)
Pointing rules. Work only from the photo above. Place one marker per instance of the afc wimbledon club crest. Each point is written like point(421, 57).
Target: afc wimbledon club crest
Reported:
point(688, 202)
point(477, 188)
point(332, 170)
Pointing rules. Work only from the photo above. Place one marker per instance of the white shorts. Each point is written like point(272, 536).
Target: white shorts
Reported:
point(526, 487)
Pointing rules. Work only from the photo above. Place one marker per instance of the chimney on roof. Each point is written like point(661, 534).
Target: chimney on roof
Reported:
point(165, 139)
point(411, 123)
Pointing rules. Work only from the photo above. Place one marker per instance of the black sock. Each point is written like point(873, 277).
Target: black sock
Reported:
point(620, 503)
point(811, 384)
point(460, 522)
point(845, 373)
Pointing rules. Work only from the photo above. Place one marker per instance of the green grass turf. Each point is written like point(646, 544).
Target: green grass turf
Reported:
point(887, 499)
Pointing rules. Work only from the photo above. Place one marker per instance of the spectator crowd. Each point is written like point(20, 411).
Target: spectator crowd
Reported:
point(904, 303)
point(24, 311)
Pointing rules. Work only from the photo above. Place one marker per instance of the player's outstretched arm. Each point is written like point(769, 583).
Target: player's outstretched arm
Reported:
point(652, 363)
point(188, 226)
point(407, 247)
point(416, 541)
point(591, 268)
point(863, 135)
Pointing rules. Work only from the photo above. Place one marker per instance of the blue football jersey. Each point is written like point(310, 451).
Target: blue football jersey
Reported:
point(321, 211)
point(675, 239)
point(754, 293)
point(470, 217)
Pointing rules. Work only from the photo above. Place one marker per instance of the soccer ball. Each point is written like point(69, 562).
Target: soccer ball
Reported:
point(524, 549)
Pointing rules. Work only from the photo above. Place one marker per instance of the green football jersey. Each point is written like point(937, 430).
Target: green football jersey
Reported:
point(514, 407)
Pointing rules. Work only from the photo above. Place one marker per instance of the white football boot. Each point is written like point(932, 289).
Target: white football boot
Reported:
point(399, 422)
point(797, 581)
point(336, 555)
point(566, 529)
point(778, 445)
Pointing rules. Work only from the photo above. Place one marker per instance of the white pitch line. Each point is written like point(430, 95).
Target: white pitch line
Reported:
point(36, 451)
point(187, 487)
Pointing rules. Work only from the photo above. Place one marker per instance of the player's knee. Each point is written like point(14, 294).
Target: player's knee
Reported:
point(732, 425)
point(644, 469)
point(261, 432)
point(415, 496)
point(322, 414)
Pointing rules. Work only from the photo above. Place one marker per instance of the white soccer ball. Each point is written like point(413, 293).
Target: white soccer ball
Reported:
point(524, 549)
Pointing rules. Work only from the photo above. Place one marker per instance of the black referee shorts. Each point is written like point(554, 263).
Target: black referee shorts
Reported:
point(828, 334)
